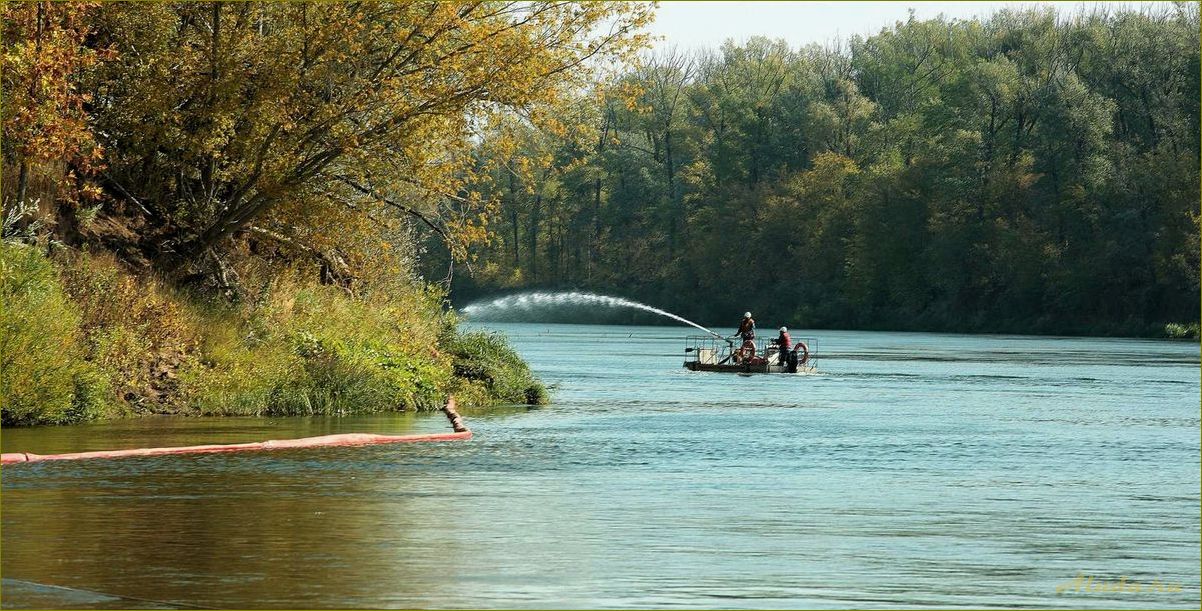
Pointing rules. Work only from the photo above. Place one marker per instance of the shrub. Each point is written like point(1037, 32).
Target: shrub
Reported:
point(1182, 331)
point(492, 372)
point(44, 375)
point(136, 329)
point(83, 338)
point(313, 349)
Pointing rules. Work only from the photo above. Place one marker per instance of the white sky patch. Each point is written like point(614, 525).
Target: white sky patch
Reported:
point(699, 25)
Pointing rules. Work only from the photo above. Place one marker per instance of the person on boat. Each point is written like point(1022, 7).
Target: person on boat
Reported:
point(747, 333)
point(783, 342)
point(746, 328)
point(784, 348)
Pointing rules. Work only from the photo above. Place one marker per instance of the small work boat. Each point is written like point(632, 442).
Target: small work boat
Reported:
point(706, 353)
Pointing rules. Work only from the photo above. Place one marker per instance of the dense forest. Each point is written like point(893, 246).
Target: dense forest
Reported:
point(216, 208)
point(1031, 172)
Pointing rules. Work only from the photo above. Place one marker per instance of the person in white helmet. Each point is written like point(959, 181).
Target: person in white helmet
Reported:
point(784, 346)
point(747, 327)
point(747, 333)
point(783, 340)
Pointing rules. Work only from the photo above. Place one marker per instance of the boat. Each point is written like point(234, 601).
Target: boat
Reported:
point(718, 354)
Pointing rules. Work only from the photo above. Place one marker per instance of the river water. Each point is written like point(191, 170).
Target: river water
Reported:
point(913, 470)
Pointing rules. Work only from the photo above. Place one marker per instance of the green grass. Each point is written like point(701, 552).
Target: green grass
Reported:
point(84, 339)
point(45, 377)
point(492, 372)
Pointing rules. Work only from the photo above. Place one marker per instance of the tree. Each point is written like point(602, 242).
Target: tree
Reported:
point(50, 151)
point(218, 115)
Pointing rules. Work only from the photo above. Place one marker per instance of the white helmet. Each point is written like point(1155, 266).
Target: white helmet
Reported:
point(746, 314)
point(784, 329)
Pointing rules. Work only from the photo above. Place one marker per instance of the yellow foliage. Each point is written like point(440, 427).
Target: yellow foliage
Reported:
point(372, 107)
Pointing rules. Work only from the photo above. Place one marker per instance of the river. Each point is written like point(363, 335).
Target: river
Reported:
point(912, 470)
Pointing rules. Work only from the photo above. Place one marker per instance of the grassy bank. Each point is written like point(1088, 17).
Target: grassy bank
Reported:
point(82, 338)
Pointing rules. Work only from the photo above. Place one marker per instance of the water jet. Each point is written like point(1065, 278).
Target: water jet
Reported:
point(529, 301)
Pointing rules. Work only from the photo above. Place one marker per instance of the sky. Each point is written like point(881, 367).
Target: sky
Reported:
point(690, 25)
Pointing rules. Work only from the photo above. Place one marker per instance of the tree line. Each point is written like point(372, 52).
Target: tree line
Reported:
point(1029, 172)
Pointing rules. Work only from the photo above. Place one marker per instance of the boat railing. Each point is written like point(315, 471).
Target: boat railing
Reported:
point(709, 350)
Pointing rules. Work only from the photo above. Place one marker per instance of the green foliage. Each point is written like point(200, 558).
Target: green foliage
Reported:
point(44, 375)
point(84, 338)
point(1026, 173)
point(314, 349)
point(492, 373)
point(319, 377)
point(134, 328)
point(1181, 331)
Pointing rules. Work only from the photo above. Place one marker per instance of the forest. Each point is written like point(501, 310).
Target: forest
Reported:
point(1032, 172)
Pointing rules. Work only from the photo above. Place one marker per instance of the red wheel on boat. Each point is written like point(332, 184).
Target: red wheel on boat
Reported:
point(747, 351)
point(805, 352)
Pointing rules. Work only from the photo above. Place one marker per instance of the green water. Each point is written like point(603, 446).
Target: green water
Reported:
point(916, 469)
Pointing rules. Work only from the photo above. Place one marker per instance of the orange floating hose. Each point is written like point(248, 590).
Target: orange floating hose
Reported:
point(343, 439)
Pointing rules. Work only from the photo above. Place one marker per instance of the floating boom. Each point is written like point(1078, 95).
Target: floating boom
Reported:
point(345, 439)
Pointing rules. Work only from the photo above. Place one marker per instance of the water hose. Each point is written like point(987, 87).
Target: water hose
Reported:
point(344, 439)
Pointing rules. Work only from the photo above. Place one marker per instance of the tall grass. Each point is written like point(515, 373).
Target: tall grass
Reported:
point(490, 371)
point(45, 376)
point(312, 349)
point(84, 338)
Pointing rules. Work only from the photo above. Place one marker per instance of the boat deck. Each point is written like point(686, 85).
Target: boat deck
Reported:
point(746, 368)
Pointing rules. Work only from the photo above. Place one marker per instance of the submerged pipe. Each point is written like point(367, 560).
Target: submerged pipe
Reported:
point(344, 439)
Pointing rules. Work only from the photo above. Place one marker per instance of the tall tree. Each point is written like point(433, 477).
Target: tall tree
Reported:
point(219, 114)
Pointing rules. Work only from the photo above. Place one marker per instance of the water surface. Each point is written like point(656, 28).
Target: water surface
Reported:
point(916, 469)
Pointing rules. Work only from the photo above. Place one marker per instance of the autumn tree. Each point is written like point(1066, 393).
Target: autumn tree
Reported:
point(222, 119)
point(50, 152)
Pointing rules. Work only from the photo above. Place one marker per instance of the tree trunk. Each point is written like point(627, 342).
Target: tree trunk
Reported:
point(208, 172)
point(532, 236)
point(673, 213)
point(595, 238)
point(513, 217)
point(22, 182)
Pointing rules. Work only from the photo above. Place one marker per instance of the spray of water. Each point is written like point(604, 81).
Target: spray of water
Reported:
point(531, 301)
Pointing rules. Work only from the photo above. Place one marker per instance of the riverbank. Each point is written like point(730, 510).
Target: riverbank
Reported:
point(85, 338)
